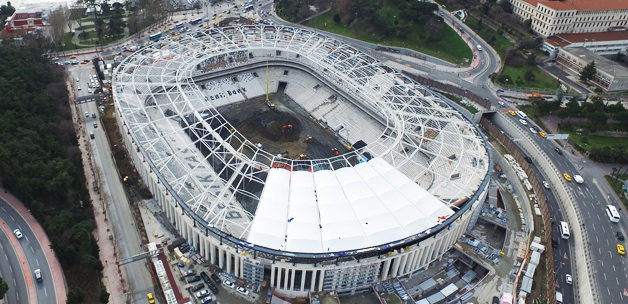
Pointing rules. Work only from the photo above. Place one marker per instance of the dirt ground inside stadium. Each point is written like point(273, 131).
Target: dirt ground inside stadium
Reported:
point(287, 129)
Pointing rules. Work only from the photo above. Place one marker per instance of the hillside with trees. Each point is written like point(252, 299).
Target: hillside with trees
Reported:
point(40, 163)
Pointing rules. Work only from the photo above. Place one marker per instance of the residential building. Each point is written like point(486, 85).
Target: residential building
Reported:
point(609, 75)
point(601, 43)
point(573, 16)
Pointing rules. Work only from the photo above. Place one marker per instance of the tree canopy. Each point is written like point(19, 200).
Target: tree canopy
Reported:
point(40, 162)
point(588, 72)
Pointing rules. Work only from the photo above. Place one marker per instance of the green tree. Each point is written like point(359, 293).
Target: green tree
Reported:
point(588, 72)
point(529, 76)
point(6, 11)
point(76, 296)
point(4, 287)
point(598, 118)
point(104, 295)
point(337, 18)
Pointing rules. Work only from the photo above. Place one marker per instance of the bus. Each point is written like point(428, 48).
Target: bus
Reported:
point(180, 25)
point(196, 21)
point(155, 37)
point(564, 230)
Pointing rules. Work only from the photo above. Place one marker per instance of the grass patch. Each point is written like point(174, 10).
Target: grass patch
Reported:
point(450, 47)
point(86, 27)
point(618, 187)
point(494, 38)
point(588, 142)
point(69, 45)
point(543, 80)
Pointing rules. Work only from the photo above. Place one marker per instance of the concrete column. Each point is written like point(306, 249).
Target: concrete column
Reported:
point(287, 278)
point(292, 278)
point(384, 273)
point(212, 252)
point(303, 276)
point(241, 265)
point(395, 268)
point(229, 261)
point(221, 257)
point(320, 280)
point(313, 280)
point(272, 276)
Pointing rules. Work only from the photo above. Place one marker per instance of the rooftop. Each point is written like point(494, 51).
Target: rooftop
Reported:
point(567, 39)
point(601, 63)
point(582, 5)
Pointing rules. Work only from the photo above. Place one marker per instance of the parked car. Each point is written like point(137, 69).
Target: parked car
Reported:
point(198, 287)
point(190, 273)
point(193, 279)
point(203, 293)
point(205, 278)
point(215, 278)
point(242, 290)
point(228, 283)
point(212, 287)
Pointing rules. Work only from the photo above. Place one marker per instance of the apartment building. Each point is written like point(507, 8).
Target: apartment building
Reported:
point(573, 16)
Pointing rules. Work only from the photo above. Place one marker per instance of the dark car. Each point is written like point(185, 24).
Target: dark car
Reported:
point(495, 300)
point(205, 278)
point(620, 236)
point(193, 279)
point(216, 278)
point(212, 287)
point(560, 152)
point(198, 287)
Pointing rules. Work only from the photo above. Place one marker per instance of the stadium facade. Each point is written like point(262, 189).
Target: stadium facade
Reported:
point(399, 197)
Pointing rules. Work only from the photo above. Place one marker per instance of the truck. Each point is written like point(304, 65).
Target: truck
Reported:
point(578, 179)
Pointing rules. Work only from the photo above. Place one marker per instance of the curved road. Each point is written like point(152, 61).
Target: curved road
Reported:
point(10, 269)
point(33, 253)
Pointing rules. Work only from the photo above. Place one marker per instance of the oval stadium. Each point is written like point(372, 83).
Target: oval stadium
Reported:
point(283, 154)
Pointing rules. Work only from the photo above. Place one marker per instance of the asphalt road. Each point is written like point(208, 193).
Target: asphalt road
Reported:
point(610, 270)
point(34, 256)
point(10, 269)
point(118, 209)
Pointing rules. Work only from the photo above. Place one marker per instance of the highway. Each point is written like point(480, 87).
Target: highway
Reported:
point(118, 209)
point(609, 269)
point(34, 256)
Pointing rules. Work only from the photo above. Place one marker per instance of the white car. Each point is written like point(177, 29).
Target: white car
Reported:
point(37, 273)
point(523, 122)
point(546, 185)
point(228, 283)
point(18, 233)
point(568, 279)
point(203, 293)
point(242, 290)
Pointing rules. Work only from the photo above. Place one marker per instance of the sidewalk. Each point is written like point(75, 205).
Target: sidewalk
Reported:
point(44, 242)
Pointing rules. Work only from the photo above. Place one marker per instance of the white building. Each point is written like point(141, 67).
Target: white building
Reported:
point(602, 43)
point(385, 209)
point(573, 16)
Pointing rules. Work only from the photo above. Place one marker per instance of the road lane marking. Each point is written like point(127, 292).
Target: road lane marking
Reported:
point(37, 260)
point(11, 216)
